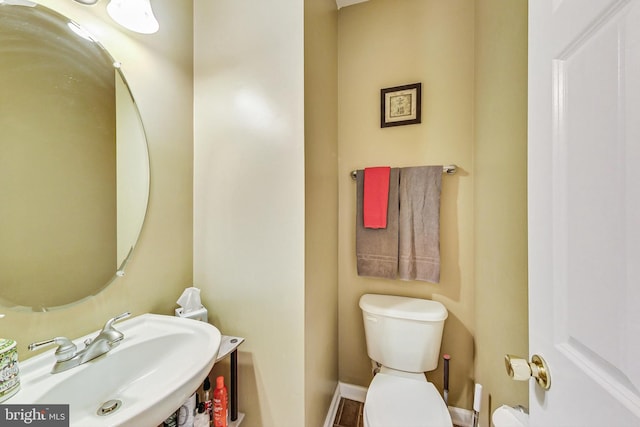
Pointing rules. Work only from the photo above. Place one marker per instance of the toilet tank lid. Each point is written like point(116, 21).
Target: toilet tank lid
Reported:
point(403, 307)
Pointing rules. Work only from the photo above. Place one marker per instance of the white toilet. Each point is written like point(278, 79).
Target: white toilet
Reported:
point(508, 416)
point(403, 336)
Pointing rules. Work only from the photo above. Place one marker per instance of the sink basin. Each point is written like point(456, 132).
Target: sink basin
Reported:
point(159, 364)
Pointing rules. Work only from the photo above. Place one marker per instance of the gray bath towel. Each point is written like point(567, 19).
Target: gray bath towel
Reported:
point(419, 224)
point(377, 249)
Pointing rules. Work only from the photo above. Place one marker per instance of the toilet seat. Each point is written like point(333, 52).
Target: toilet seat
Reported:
point(394, 401)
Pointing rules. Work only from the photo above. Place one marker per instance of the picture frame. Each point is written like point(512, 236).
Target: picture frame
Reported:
point(401, 105)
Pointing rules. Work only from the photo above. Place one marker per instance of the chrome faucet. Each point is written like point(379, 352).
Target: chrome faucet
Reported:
point(67, 354)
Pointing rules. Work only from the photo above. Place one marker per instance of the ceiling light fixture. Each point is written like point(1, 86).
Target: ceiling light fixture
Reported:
point(135, 15)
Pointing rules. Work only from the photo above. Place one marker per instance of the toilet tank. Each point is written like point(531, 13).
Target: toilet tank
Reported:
point(403, 333)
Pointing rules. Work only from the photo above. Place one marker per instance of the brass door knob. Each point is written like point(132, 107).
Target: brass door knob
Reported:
point(520, 370)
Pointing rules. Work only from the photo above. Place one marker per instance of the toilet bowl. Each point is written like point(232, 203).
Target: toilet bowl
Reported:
point(403, 335)
point(507, 416)
point(397, 400)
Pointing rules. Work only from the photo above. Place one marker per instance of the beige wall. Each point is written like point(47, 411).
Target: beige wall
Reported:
point(500, 209)
point(483, 241)
point(252, 270)
point(249, 204)
point(321, 208)
point(249, 139)
point(159, 71)
point(386, 43)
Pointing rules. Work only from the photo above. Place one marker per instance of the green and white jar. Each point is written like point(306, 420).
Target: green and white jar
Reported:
point(9, 371)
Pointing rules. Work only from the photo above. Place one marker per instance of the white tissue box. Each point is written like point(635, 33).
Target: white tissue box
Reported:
point(200, 314)
point(9, 372)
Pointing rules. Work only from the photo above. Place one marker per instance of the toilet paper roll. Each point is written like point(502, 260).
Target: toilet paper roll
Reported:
point(517, 367)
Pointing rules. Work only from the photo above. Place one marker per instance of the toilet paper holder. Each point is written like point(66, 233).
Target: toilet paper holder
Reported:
point(520, 370)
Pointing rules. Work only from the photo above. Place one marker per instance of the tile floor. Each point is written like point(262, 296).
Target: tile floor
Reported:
point(349, 413)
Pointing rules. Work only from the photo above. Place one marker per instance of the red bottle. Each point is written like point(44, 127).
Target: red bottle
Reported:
point(220, 399)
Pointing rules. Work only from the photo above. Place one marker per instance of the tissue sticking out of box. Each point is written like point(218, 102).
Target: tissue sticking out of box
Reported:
point(190, 300)
point(191, 306)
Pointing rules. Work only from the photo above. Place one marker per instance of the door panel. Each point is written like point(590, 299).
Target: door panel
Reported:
point(584, 210)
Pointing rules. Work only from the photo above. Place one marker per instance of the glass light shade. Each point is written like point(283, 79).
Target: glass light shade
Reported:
point(135, 15)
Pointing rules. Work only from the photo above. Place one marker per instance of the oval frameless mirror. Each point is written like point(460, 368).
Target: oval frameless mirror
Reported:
point(74, 166)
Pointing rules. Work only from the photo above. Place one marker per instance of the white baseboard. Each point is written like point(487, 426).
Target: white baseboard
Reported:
point(348, 391)
point(352, 392)
point(333, 408)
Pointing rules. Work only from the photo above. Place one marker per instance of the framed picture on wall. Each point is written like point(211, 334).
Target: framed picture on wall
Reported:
point(400, 105)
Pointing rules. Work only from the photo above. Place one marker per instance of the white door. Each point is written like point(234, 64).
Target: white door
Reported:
point(584, 210)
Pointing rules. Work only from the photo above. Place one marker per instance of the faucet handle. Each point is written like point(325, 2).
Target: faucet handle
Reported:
point(113, 320)
point(65, 351)
point(110, 334)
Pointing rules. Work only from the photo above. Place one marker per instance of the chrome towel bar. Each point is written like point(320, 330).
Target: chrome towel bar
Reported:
point(448, 169)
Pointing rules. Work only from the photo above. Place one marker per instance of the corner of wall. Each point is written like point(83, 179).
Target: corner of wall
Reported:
point(500, 200)
point(321, 199)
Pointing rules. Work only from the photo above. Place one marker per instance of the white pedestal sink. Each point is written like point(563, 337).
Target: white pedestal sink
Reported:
point(159, 364)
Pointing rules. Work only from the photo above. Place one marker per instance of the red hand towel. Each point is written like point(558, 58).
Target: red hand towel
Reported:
point(376, 197)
